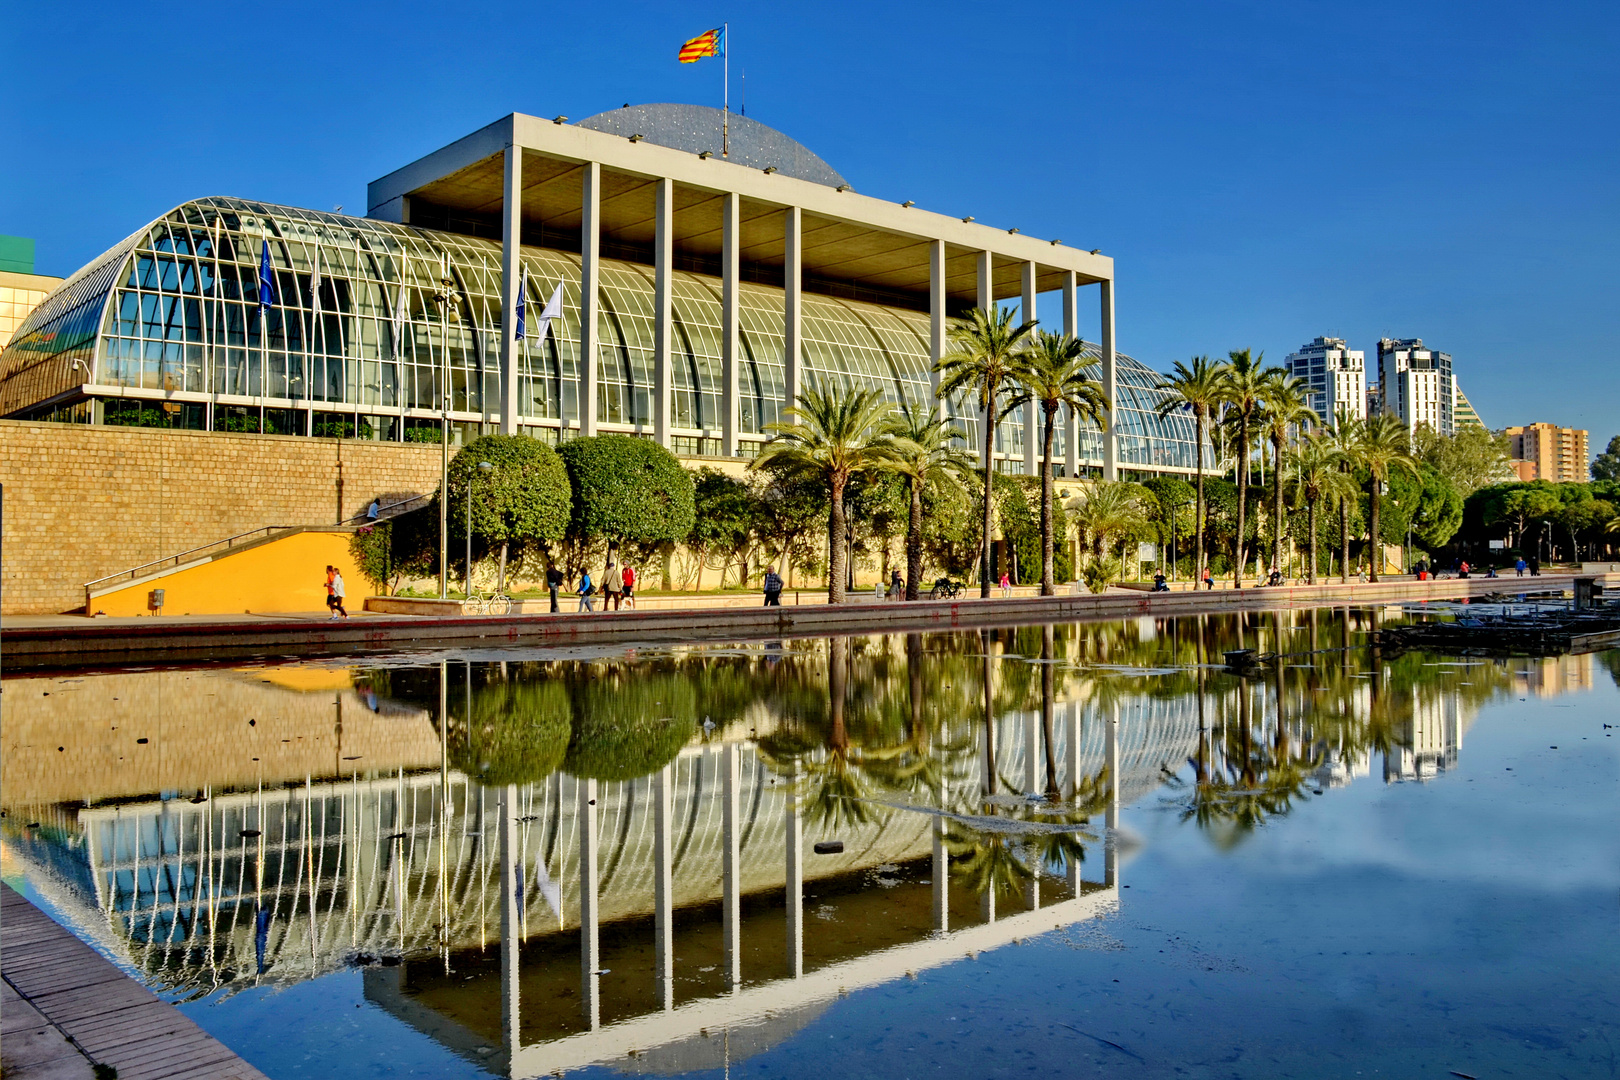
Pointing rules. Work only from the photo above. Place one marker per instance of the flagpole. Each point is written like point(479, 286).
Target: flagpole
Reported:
point(725, 93)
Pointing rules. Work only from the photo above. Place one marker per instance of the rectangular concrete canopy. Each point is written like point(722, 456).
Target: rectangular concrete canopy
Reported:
point(855, 241)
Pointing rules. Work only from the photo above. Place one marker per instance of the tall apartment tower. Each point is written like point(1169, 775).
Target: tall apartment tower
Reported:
point(1416, 384)
point(1550, 452)
point(1335, 377)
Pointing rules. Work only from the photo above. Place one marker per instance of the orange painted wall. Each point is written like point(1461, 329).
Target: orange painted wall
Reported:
point(284, 575)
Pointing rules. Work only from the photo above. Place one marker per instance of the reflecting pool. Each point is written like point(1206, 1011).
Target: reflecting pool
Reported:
point(1074, 849)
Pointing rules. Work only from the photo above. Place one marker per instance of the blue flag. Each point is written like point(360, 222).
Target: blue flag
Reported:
point(267, 294)
point(522, 278)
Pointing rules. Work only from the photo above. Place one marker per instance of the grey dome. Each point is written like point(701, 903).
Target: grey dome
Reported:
point(696, 128)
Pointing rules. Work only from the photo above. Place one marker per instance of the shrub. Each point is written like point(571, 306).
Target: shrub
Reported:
point(523, 500)
point(628, 723)
point(1099, 573)
point(624, 489)
point(518, 730)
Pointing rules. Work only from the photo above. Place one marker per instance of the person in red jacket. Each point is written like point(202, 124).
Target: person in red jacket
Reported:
point(629, 586)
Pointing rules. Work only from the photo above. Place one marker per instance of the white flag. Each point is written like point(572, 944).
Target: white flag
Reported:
point(315, 284)
point(401, 309)
point(552, 310)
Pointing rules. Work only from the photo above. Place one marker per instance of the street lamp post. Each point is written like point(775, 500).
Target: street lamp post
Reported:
point(484, 467)
point(445, 297)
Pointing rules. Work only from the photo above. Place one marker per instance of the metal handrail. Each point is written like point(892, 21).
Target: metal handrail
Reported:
point(361, 516)
point(176, 560)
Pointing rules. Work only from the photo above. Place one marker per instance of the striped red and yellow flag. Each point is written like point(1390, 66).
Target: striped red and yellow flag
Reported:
point(710, 43)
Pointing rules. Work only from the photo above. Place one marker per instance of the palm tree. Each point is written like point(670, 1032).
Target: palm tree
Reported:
point(1285, 411)
point(834, 435)
point(1243, 387)
point(981, 359)
point(1107, 509)
point(1344, 445)
point(1317, 470)
point(1052, 372)
point(1198, 389)
point(1382, 444)
point(924, 453)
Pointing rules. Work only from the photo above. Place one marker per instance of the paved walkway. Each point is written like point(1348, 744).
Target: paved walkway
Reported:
point(88, 643)
point(64, 1009)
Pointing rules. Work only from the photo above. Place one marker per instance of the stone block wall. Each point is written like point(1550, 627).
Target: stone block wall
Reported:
point(85, 501)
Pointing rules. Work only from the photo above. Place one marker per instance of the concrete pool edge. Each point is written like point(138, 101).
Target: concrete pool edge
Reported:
point(101, 642)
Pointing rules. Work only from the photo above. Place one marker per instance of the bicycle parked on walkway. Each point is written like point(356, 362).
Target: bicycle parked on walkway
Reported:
point(945, 589)
point(493, 604)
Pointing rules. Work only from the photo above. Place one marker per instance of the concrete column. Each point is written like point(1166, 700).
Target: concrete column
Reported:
point(664, 884)
point(1111, 749)
point(731, 861)
point(730, 350)
point(1032, 420)
point(1110, 383)
point(941, 871)
point(590, 277)
point(936, 317)
point(511, 887)
point(511, 270)
point(986, 302)
point(590, 955)
point(1071, 428)
point(793, 307)
point(1071, 777)
point(1033, 781)
point(793, 827)
point(663, 348)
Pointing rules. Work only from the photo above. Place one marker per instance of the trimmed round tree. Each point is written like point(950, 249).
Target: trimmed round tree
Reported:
point(624, 489)
point(628, 722)
point(523, 500)
point(518, 731)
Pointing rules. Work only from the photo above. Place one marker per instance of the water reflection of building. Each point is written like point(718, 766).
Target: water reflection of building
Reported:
point(1549, 676)
point(1428, 740)
point(664, 904)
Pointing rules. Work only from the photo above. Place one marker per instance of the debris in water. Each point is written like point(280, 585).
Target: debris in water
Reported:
point(829, 847)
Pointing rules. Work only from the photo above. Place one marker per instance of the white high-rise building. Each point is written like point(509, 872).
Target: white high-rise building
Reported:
point(1417, 384)
point(1335, 377)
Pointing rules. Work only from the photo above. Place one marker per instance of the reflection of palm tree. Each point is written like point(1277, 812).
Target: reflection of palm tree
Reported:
point(999, 860)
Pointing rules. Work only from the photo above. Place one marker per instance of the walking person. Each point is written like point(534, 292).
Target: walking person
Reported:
point(337, 594)
point(612, 587)
point(554, 582)
point(586, 588)
point(897, 587)
point(1535, 566)
point(629, 576)
point(773, 587)
point(331, 571)
point(1006, 585)
point(1518, 567)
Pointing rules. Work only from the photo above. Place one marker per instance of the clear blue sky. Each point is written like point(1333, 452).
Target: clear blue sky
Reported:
point(1261, 172)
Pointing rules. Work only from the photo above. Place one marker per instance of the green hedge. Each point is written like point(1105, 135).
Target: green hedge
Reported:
point(627, 489)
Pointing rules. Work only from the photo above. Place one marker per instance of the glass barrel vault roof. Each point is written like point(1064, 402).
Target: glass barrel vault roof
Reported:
point(172, 313)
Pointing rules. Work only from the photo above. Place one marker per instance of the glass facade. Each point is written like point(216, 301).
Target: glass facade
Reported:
point(374, 328)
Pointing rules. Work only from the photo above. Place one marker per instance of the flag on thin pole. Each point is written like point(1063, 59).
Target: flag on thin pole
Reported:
point(521, 313)
point(401, 306)
point(315, 284)
point(708, 43)
point(267, 281)
point(551, 311)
